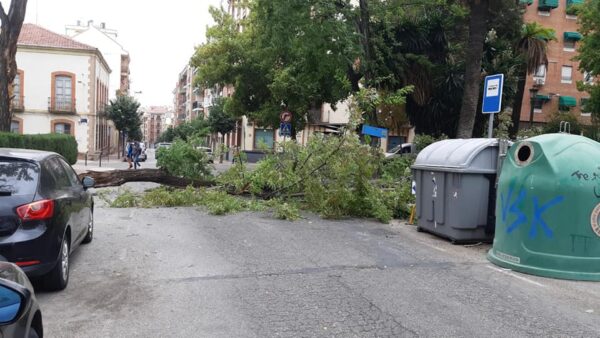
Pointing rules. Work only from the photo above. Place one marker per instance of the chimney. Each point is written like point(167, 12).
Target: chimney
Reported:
point(90, 23)
point(103, 25)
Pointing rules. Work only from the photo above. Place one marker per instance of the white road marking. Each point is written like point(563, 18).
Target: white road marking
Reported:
point(510, 273)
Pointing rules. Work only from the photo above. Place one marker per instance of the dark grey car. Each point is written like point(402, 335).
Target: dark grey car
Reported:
point(20, 314)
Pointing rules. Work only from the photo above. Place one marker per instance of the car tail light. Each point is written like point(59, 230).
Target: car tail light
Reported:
point(27, 263)
point(36, 211)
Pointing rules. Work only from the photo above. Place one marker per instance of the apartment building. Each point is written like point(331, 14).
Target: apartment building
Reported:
point(62, 87)
point(187, 100)
point(554, 88)
point(153, 123)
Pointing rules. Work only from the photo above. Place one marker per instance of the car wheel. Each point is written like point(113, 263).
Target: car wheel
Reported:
point(33, 333)
point(90, 231)
point(58, 278)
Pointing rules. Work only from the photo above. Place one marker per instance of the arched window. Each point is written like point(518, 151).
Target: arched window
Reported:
point(63, 127)
point(63, 92)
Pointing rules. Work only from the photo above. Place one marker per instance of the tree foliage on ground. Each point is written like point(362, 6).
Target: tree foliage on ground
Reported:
point(124, 112)
point(589, 54)
point(11, 23)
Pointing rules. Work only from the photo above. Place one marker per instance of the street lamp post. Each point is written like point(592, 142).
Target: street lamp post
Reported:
point(533, 97)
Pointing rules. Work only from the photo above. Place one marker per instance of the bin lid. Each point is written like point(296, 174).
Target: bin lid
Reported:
point(477, 155)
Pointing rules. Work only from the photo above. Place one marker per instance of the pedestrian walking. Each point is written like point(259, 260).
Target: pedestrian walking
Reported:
point(137, 151)
point(130, 153)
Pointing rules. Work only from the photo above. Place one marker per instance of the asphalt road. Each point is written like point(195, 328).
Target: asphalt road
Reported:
point(183, 273)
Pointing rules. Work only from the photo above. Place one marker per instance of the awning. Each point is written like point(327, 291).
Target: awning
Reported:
point(526, 2)
point(543, 97)
point(575, 36)
point(548, 4)
point(574, 2)
point(567, 101)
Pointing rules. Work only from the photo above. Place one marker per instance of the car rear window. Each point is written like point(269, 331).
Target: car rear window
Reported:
point(18, 177)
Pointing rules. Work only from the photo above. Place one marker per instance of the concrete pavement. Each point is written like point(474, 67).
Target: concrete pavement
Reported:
point(182, 273)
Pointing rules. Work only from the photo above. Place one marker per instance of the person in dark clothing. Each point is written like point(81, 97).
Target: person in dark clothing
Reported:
point(137, 151)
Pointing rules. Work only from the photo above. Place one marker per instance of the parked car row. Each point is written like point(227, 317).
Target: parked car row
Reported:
point(46, 212)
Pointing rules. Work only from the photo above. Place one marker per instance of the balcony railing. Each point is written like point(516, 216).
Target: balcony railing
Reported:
point(62, 105)
point(17, 103)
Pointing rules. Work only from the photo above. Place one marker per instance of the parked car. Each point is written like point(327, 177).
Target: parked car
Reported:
point(20, 314)
point(209, 153)
point(401, 150)
point(143, 157)
point(46, 211)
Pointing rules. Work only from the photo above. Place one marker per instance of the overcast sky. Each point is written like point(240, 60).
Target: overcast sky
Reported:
point(159, 35)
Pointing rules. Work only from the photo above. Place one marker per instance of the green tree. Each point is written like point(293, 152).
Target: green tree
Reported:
point(589, 55)
point(532, 51)
point(123, 111)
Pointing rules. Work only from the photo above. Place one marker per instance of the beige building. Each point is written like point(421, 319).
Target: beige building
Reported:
point(62, 87)
point(554, 88)
point(153, 123)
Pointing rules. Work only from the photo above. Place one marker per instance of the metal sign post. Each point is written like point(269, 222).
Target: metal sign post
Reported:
point(492, 98)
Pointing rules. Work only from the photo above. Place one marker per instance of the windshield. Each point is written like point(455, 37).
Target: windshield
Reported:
point(18, 177)
point(395, 149)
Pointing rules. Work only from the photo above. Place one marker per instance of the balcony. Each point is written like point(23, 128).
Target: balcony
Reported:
point(62, 105)
point(17, 104)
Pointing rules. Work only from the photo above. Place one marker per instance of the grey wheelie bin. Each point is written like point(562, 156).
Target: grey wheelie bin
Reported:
point(455, 189)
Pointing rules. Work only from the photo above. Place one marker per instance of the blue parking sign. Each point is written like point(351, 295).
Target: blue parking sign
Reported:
point(492, 94)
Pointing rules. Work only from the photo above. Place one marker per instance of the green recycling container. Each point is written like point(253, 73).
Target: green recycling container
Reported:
point(548, 208)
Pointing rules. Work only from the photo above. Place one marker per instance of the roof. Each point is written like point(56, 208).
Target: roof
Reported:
point(33, 35)
point(25, 154)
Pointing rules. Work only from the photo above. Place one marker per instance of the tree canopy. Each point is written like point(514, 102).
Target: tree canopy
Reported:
point(123, 111)
point(589, 54)
point(302, 54)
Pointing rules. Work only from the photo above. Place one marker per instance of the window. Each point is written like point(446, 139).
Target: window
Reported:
point(63, 92)
point(57, 174)
point(567, 74)
point(569, 45)
point(588, 78)
point(18, 177)
point(62, 127)
point(15, 127)
point(540, 72)
point(17, 101)
point(584, 110)
point(70, 173)
point(263, 138)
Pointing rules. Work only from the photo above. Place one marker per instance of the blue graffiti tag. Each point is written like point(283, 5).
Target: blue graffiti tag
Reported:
point(537, 216)
point(514, 208)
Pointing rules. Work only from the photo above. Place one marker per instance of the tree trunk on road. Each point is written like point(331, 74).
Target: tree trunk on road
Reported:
point(116, 178)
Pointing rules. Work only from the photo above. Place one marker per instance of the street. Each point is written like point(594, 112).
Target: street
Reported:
point(182, 273)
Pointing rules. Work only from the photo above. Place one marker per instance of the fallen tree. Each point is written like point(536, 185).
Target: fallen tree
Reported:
point(115, 178)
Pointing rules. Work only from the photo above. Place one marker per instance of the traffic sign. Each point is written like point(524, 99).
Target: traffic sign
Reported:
point(374, 131)
point(285, 129)
point(492, 95)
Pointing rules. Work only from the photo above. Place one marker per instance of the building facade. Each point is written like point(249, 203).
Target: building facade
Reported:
point(154, 120)
point(553, 88)
point(188, 100)
point(116, 56)
point(62, 87)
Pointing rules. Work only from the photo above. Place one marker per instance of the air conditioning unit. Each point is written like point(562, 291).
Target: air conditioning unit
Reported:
point(539, 81)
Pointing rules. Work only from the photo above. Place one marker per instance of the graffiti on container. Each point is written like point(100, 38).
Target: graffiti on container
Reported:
point(586, 176)
point(512, 203)
point(583, 176)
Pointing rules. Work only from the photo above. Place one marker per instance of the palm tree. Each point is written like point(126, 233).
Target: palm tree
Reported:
point(532, 49)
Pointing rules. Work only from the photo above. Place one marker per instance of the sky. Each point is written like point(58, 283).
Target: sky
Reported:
point(159, 35)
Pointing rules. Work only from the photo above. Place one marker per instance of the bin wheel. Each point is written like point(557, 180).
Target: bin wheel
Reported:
point(419, 229)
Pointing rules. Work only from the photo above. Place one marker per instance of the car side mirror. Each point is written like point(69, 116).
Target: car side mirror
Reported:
point(88, 182)
point(11, 301)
